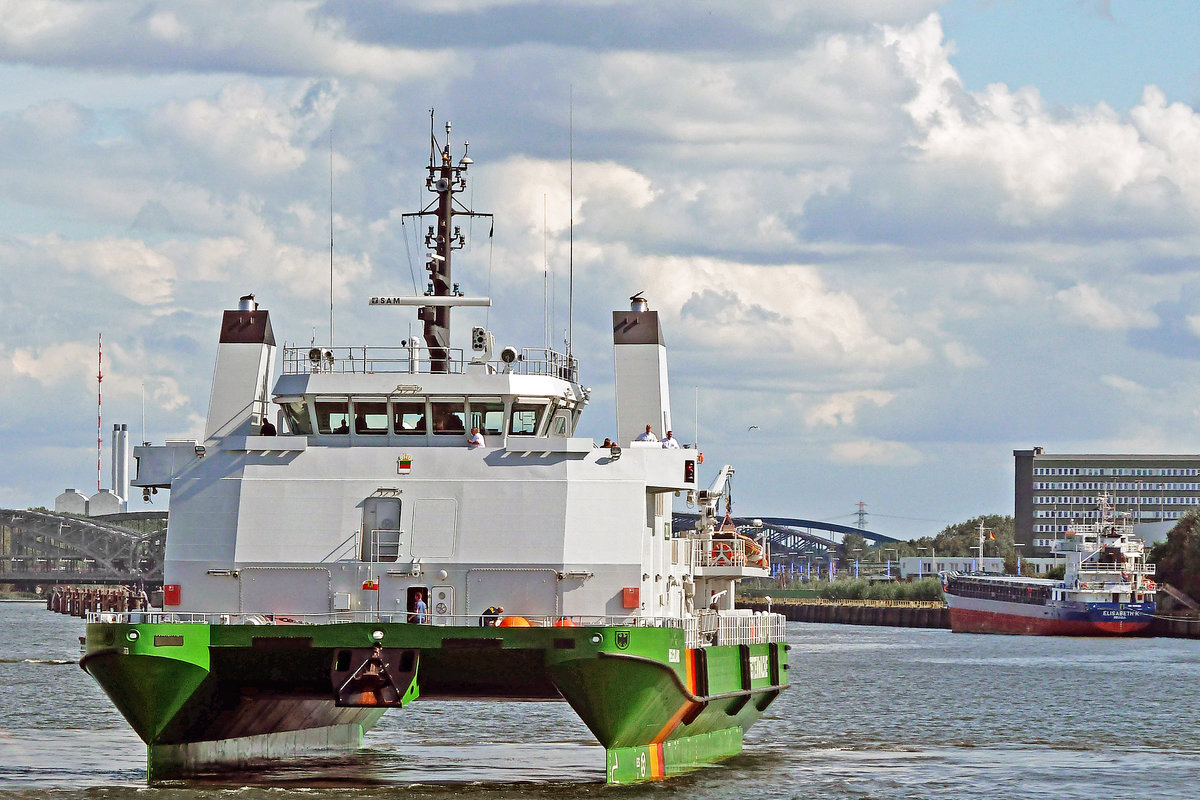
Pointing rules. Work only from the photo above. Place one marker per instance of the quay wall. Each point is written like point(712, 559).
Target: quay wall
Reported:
point(892, 613)
point(916, 614)
point(1176, 627)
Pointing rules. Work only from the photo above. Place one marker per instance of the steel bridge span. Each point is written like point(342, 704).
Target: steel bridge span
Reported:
point(41, 547)
point(796, 538)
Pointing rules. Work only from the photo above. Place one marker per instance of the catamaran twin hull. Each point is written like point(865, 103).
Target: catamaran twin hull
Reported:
point(230, 695)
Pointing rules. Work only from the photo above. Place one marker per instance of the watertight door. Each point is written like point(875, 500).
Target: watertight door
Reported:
point(441, 604)
point(381, 529)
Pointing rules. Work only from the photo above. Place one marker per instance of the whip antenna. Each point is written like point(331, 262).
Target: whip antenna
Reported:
point(571, 236)
point(331, 237)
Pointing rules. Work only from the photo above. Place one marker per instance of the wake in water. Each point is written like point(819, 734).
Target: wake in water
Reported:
point(53, 661)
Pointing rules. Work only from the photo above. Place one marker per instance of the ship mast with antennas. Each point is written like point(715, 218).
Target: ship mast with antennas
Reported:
point(445, 179)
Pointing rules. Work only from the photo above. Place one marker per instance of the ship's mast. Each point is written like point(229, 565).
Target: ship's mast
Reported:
point(445, 179)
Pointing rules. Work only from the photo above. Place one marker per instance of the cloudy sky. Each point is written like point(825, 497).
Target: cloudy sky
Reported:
point(902, 238)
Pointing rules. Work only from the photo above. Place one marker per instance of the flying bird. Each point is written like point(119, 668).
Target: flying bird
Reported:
point(752, 427)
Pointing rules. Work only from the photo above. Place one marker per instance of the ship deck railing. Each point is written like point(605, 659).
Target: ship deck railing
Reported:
point(706, 628)
point(347, 617)
point(1131, 569)
point(367, 359)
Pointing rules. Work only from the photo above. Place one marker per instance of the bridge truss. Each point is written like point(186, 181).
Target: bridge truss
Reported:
point(43, 547)
point(792, 538)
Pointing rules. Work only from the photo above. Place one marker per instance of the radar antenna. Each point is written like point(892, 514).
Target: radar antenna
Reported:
point(445, 179)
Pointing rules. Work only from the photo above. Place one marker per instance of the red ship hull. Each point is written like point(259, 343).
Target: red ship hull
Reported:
point(965, 620)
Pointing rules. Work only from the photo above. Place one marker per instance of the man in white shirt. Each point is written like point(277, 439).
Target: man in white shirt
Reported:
point(475, 440)
point(670, 442)
point(648, 436)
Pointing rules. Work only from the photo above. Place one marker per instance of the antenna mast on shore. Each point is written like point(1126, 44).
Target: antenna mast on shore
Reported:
point(99, 405)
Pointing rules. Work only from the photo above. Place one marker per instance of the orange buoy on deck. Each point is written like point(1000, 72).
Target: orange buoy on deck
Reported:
point(564, 623)
point(514, 622)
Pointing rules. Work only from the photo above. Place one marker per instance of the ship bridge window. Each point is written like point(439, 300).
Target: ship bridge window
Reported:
point(558, 426)
point(333, 416)
point(295, 412)
point(370, 417)
point(408, 418)
point(448, 418)
point(526, 417)
point(488, 416)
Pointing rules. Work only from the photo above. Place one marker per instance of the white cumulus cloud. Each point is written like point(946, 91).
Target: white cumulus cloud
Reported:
point(1088, 305)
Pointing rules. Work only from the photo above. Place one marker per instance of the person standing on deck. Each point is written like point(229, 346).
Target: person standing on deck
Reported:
point(418, 610)
point(648, 436)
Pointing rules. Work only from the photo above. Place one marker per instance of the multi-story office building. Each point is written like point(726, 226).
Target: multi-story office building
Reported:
point(1053, 491)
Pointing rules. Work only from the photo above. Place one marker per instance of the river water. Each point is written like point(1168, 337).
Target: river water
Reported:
point(873, 713)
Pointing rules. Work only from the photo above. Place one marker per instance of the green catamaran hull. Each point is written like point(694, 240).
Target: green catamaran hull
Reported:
point(204, 697)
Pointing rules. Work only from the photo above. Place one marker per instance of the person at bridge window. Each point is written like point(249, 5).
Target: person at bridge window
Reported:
point(670, 442)
point(266, 429)
point(647, 436)
point(475, 440)
point(448, 418)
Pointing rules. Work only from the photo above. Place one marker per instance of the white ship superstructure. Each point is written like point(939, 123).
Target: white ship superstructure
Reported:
point(380, 525)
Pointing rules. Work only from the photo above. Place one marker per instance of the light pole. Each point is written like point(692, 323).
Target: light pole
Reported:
point(889, 563)
point(982, 530)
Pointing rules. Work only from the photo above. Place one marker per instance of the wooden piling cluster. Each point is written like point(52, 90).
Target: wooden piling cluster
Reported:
point(77, 601)
point(896, 614)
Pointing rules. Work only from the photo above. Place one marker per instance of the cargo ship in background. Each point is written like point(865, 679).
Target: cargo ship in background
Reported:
point(1106, 589)
point(348, 543)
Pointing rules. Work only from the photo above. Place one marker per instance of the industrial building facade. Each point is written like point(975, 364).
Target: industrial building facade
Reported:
point(1055, 490)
